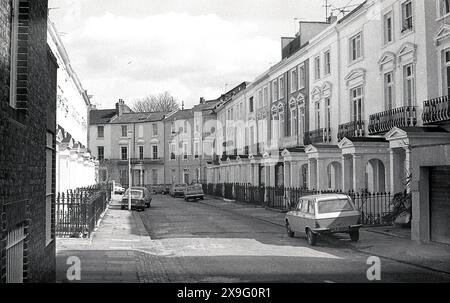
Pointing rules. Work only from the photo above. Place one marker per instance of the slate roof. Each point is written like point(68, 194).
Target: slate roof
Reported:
point(138, 118)
point(208, 105)
point(101, 116)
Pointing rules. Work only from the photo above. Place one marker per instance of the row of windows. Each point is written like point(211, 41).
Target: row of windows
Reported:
point(124, 131)
point(124, 152)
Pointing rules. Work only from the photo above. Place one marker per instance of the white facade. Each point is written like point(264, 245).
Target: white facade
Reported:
point(74, 165)
point(378, 83)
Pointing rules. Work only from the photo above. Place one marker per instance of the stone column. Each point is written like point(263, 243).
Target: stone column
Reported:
point(359, 173)
point(294, 172)
point(287, 174)
point(272, 175)
point(312, 171)
point(347, 172)
point(395, 173)
point(322, 176)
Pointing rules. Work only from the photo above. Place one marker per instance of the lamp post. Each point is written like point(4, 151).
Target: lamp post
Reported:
point(130, 134)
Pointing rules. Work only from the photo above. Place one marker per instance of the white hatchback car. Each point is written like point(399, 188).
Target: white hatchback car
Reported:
point(323, 214)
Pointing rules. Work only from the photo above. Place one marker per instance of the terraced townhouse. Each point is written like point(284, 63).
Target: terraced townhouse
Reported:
point(360, 103)
point(117, 134)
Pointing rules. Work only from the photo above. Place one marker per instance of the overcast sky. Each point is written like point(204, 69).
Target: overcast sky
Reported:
point(191, 48)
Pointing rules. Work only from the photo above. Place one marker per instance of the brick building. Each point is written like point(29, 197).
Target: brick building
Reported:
point(28, 72)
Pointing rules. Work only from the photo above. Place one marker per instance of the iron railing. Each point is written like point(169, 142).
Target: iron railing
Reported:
point(78, 211)
point(374, 207)
point(321, 135)
point(405, 116)
point(436, 110)
point(351, 130)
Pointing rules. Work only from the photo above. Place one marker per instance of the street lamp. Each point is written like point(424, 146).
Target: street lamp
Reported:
point(130, 134)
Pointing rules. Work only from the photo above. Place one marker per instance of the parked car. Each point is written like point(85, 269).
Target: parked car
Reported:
point(323, 214)
point(118, 189)
point(140, 198)
point(166, 189)
point(194, 192)
point(177, 189)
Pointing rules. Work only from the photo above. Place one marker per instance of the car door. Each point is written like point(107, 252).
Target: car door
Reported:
point(292, 216)
point(297, 216)
point(309, 215)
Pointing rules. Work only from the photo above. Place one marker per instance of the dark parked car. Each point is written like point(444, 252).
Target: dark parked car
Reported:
point(140, 198)
point(194, 192)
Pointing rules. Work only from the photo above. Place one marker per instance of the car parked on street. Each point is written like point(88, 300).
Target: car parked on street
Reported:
point(194, 192)
point(177, 189)
point(141, 198)
point(323, 214)
point(166, 189)
point(118, 189)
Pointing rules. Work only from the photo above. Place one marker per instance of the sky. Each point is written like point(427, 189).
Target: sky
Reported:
point(190, 48)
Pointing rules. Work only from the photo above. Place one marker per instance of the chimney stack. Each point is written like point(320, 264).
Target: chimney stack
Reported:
point(332, 19)
point(202, 100)
point(120, 107)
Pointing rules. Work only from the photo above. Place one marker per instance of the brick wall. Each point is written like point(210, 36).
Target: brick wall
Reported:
point(23, 137)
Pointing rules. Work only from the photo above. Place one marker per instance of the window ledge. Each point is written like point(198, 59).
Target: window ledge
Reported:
point(355, 61)
point(407, 32)
point(385, 45)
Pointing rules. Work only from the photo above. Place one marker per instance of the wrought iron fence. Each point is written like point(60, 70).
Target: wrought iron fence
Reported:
point(374, 207)
point(78, 211)
point(249, 194)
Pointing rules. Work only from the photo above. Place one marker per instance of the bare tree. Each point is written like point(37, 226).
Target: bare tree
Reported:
point(164, 102)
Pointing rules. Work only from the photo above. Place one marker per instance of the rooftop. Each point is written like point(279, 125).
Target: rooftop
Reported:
point(101, 116)
point(138, 118)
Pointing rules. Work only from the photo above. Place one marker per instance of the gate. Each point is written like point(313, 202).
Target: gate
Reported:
point(14, 255)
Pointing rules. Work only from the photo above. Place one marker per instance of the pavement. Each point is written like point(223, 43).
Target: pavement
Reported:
point(222, 241)
point(390, 242)
point(112, 254)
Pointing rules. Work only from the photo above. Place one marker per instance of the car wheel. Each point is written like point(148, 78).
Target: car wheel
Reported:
point(289, 230)
point(122, 207)
point(354, 235)
point(202, 198)
point(312, 238)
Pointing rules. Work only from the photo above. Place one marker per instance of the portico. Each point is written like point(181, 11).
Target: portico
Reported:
point(324, 166)
point(365, 164)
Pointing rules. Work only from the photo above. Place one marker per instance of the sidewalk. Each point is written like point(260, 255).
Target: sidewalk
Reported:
point(387, 242)
point(112, 254)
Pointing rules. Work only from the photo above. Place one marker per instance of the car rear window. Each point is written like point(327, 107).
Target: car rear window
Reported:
point(135, 194)
point(334, 206)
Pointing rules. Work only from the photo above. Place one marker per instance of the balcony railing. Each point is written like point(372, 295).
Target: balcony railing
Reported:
point(136, 161)
point(436, 110)
point(405, 116)
point(322, 135)
point(351, 130)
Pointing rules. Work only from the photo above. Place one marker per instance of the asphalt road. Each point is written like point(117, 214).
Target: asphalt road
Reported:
point(196, 242)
